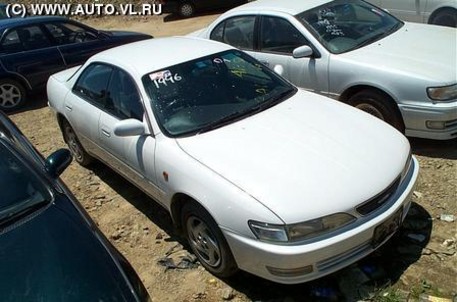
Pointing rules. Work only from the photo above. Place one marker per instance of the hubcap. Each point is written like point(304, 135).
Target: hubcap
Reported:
point(203, 241)
point(10, 95)
point(73, 144)
point(371, 110)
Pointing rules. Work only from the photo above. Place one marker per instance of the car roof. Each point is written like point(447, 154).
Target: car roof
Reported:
point(154, 54)
point(9, 22)
point(292, 7)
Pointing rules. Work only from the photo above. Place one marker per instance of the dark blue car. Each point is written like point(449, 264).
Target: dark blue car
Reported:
point(33, 48)
point(50, 250)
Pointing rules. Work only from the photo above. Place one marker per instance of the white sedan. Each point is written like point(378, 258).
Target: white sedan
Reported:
point(259, 175)
point(403, 73)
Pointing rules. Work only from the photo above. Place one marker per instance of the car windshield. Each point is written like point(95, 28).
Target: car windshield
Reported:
point(209, 92)
point(343, 26)
point(21, 192)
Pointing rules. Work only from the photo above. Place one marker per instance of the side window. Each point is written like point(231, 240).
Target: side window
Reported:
point(238, 32)
point(11, 42)
point(25, 38)
point(93, 82)
point(278, 35)
point(123, 100)
point(67, 33)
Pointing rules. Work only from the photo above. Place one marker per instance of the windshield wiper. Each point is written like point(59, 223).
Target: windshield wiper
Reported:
point(380, 35)
point(244, 113)
point(20, 210)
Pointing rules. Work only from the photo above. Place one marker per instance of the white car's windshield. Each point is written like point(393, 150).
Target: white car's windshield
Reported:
point(209, 92)
point(342, 26)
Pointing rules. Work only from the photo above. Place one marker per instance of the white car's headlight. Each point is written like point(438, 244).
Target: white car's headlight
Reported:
point(302, 230)
point(442, 93)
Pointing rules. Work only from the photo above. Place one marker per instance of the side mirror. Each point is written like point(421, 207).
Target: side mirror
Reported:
point(279, 69)
point(129, 127)
point(302, 52)
point(57, 162)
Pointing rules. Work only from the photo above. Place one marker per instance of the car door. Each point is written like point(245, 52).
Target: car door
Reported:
point(407, 10)
point(76, 43)
point(131, 156)
point(277, 39)
point(83, 106)
point(29, 52)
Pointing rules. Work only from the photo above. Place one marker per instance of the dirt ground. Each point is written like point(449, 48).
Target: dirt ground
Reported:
point(420, 259)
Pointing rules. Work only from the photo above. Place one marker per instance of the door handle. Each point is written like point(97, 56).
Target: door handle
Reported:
point(69, 108)
point(106, 133)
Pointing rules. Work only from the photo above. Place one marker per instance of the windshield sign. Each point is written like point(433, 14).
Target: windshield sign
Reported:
point(343, 26)
point(207, 93)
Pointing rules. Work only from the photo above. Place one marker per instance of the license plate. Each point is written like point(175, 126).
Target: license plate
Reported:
point(386, 229)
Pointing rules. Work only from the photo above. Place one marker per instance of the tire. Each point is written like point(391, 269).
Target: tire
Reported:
point(445, 17)
point(378, 105)
point(186, 10)
point(77, 150)
point(206, 241)
point(12, 95)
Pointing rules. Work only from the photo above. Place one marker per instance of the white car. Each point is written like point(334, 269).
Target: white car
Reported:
point(439, 12)
point(403, 73)
point(260, 175)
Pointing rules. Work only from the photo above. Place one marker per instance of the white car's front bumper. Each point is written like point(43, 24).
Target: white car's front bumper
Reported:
point(432, 121)
point(299, 263)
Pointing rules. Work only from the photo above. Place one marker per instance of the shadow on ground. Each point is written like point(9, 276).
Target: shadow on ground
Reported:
point(176, 17)
point(434, 148)
point(34, 101)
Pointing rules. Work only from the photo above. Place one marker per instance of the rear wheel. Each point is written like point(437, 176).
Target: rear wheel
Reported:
point(207, 241)
point(445, 17)
point(186, 9)
point(80, 155)
point(378, 105)
point(12, 95)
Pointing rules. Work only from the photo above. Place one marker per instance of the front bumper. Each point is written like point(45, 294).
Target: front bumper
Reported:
point(419, 117)
point(305, 262)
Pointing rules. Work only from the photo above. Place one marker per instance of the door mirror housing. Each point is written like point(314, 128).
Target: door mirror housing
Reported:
point(129, 127)
point(57, 162)
point(302, 52)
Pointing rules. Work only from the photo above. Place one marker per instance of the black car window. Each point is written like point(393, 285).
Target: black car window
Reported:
point(238, 32)
point(93, 82)
point(20, 189)
point(11, 42)
point(67, 33)
point(123, 100)
point(278, 35)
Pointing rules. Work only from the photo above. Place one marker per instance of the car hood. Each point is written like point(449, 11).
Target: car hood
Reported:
point(306, 157)
point(418, 50)
point(55, 256)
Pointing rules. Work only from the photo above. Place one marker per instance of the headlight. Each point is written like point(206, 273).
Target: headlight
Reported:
point(302, 230)
point(442, 93)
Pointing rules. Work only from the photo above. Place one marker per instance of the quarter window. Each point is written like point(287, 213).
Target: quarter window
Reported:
point(278, 35)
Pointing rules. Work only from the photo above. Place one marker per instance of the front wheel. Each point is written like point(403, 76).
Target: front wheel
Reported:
point(80, 155)
point(207, 241)
point(378, 105)
point(12, 95)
